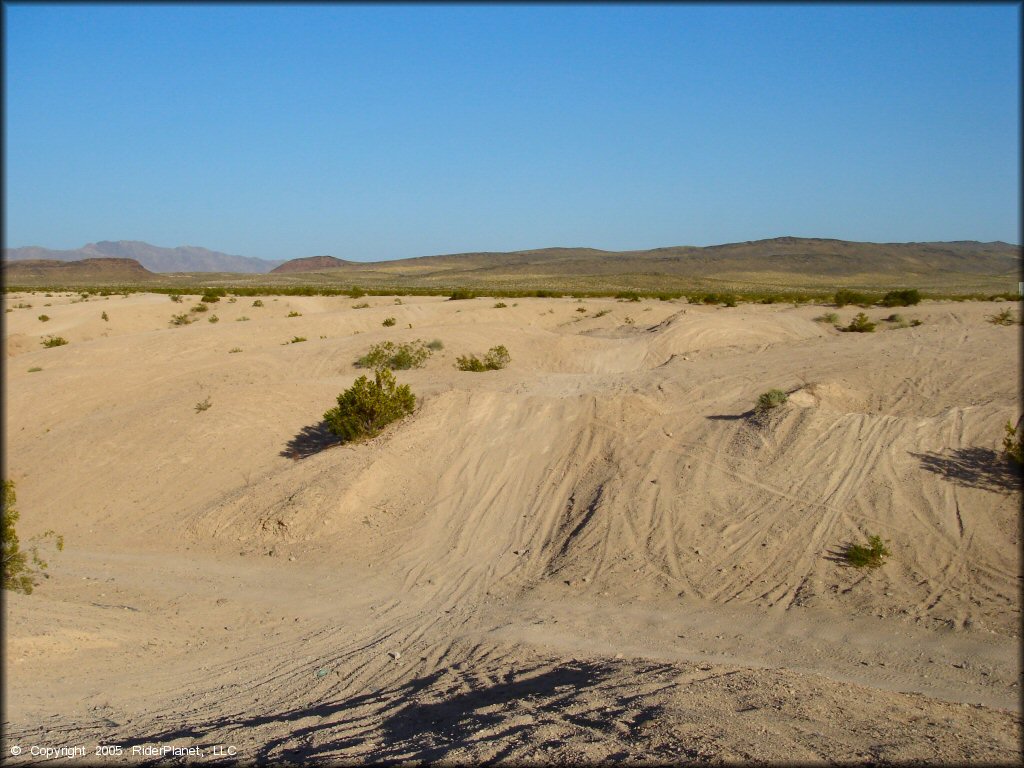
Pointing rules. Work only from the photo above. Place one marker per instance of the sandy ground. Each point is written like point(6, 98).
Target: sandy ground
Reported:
point(598, 553)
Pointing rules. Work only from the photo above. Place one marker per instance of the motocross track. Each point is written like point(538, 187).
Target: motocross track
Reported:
point(598, 553)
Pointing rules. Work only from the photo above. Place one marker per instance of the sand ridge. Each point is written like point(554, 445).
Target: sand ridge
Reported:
point(597, 552)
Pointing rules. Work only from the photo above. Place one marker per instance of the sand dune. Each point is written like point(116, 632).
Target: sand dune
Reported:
point(599, 552)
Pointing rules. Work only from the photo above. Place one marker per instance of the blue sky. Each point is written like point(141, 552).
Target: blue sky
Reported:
point(387, 131)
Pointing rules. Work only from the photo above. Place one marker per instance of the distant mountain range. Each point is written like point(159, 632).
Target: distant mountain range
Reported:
point(186, 258)
point(793, 261)
point(782, 255)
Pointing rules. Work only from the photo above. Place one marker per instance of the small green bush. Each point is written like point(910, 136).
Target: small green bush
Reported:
point(500, 305)
point(356, 292)
point(871, 556)
point(44, 318)
point(203, 405)
point(207, 298)
point(905, 298)
point(461, 293)
point(860, 324)
point(396, 357)
point(367, 407)
point(234, 349)
point(293, 313)
point(581, 309)
point(364, 305)
point(297, 339)
point(495, 359)
point(627, 296)
point(241, 319)
point(828, 317)
point(773, 398)
point(1006, 317)
point(54, 341)
point(104, 317)
point(214, 319)
point(181, 319)
point(602, 313)
point(388, 322)
point(845, 296)
point(200, 308)
point(1012, 444)
point(257, 303)
point(435, 345)
point(22, 568)
point(628, 320)
point(728, 300)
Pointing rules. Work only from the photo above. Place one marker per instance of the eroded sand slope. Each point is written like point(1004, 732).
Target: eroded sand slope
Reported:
point(597, 553)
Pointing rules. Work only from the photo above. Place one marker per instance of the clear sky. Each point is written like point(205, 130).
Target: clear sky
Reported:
point(386, 131)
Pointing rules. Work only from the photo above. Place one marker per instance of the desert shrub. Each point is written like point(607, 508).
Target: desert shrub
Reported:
point(200, 308)
point(232, 300)
point(1012, 444)
point(175, 298)
point(904, 298)
point(367, 406)
point(1006, 317)
point(860, 324)
point(44, 318)
point(398, 301)
point(602, 313)
point(234, 349)
point(628, 320)
point(710, 298)
point(241, 319)
point(828, 317)
point(396, 357)
point(297, 339)
point(364, 305)
point(871, 556)
point(293, 313)
point(627, 296)
point(845, 296)
point(388, 322)
point(208, 298)
point(214, 319)
point(461, 293)
point(500, 305)
point(495, 359)
point(257, 303)
point(773, 398)
point(581, 309)
point(182, 319)
point(896, 318)
point(203, 405)
point(22, 567)
point(728, 299)
point(435, 345)
point(356, 292)
point(104, 317)
point(54, 341)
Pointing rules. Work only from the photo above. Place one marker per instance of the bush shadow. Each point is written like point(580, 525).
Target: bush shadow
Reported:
point(310, 441)
point(391, 726)
point(974, 468)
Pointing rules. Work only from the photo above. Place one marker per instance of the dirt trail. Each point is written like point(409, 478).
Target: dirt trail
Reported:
point(597, 553)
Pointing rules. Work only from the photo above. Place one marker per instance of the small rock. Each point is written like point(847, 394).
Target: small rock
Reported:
point(291, 559)
point(394, 655)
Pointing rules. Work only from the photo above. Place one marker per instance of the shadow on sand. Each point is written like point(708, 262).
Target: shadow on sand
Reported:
point(975, 468)
point(309, 441)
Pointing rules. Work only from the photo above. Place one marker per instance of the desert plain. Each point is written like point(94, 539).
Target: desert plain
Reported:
point(598, 553)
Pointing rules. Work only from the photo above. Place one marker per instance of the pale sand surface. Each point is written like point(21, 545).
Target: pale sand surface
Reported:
point(594, 554)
